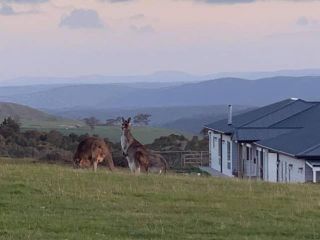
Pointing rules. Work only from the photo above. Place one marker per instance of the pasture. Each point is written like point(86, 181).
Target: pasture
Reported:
point(145, 134)
point(41, 201)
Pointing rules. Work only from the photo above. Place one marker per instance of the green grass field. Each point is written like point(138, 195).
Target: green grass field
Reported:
point(144, 134)
point(40, 201)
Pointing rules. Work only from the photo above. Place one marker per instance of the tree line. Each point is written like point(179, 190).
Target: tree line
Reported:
point(141, 119)
point(53, 146)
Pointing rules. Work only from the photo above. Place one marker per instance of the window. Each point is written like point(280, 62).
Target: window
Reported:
point(229, 154)
point(212, 139)
point(228, 151)
point(219, 151)
point(248, 153)
point(229, 165)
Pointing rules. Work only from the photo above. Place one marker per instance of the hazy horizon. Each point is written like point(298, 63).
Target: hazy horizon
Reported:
point(53, 38)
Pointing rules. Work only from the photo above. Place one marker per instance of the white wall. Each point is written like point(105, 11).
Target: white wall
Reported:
point(272, 167)
point(291, 169)
point(213, 149)
point(226, 169)
point(214, 141)
point(250, 166)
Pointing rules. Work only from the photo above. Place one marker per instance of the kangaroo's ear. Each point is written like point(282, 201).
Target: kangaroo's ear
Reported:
point(123, 119)
point(129, 119)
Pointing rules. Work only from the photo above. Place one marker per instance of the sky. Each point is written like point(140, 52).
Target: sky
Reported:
point(132, 37)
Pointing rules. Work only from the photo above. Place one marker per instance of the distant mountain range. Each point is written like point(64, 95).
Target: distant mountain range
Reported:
point(177, 105)
point(213, 92)
point(168, 77)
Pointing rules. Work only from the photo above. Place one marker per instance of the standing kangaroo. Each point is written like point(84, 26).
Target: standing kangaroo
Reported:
point(138, 155)
point(92, 151)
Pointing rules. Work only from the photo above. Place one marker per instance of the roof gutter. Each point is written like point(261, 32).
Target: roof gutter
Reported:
point(218, 131)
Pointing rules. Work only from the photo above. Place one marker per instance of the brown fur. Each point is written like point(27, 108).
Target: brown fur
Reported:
point(157, 163)
point(138, 155)
point(91, 152)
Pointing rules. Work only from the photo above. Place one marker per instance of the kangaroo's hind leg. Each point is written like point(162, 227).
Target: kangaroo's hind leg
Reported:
point(95, 165)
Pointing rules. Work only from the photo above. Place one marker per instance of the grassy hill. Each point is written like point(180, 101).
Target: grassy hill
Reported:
point(40, 201)
point(33, 118)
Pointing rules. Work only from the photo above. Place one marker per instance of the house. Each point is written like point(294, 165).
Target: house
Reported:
point(277, 143)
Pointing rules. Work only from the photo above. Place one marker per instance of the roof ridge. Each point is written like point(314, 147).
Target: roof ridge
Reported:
point(286, 105)
point(261, 128)
point(307, 109)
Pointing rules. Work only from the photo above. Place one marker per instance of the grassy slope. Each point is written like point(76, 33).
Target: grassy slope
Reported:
point(39, 201)
point(33, 118)
point(144, 134)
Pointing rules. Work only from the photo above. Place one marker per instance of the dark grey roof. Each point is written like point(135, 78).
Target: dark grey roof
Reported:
point(256, 134)
point(281, 114)
point(311, 152)
point(264, 117)
point(307, 118)
point(296, 143)
point(291, 126)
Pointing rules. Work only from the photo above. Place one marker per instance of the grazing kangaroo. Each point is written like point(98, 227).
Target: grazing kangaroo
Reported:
point(137, 155)
point(92, 151)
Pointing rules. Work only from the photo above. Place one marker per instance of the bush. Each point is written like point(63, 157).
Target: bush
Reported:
point(58, 155)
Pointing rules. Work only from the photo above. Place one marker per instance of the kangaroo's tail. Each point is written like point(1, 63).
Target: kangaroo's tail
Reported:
point(165, 164)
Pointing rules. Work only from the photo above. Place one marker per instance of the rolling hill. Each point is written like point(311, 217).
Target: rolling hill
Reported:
point(23, 113)
point(33, 118)
point(194, 124)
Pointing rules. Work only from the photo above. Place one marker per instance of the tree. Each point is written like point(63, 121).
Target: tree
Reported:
point(91, 122)
point(55, 138)
point(113, 122)
point(9, 127)
point(142, 119)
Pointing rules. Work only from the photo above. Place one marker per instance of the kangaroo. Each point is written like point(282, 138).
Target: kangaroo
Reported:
point(92, 151)
point(157, 163)
point(137, 155)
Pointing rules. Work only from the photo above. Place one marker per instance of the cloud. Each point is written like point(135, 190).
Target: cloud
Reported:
point(7, 10)
point(82, 18)
point(245, 1)
point(24, 1)
point(137, 17)
point(116, 1)
point(142, 29)
point(302, 21)
point(226, 1)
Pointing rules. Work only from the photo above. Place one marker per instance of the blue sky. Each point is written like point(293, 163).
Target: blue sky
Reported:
point(125, 37)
